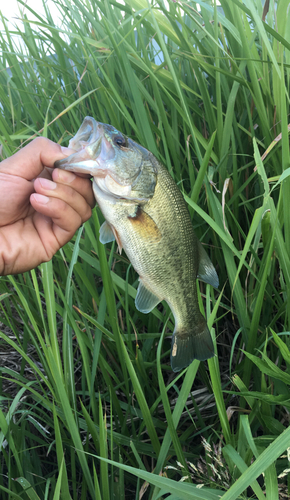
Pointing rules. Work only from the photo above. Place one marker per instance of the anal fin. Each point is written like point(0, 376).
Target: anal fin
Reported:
point(145, 300)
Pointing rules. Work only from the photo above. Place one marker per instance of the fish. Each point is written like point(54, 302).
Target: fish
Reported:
point(146, 214)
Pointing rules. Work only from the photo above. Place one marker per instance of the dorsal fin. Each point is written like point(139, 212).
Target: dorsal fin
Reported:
point(206, 271)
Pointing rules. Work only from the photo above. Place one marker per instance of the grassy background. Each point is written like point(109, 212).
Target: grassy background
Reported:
point(89, 406)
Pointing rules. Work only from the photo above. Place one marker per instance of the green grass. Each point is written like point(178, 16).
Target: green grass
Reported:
point(89, 407)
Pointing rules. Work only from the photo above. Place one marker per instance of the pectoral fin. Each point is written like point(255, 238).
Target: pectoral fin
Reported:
point(145, 300)
point(206, 271)
point(145, 226)
point(106, 233)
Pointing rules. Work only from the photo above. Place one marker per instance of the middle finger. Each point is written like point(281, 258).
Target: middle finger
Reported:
point(66, 193)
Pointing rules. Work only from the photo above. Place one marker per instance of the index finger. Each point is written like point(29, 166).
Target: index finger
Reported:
point(29, 162)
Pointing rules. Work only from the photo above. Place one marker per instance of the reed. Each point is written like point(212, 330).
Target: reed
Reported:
point(89, 406)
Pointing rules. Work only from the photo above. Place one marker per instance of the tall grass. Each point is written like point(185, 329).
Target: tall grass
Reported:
point(89, 405)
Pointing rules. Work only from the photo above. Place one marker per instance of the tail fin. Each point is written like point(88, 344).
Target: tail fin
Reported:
point(190, 345)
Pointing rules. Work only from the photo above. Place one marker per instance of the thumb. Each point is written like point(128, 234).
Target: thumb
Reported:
point(29, 162)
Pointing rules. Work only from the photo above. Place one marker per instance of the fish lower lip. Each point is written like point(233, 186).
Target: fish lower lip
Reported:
point(91, 167)
point(85, 159)
point(62, 163)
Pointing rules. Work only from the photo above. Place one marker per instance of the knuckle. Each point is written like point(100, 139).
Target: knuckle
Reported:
point(87, 214)
point(92, 202)
point(41, 142)
point(78, 221)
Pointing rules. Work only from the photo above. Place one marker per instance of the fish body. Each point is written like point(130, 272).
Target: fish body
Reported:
point(146, 213)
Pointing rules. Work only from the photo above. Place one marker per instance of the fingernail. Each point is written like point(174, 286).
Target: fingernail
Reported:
point(67, 151)
point(65, 176)
point(39, 198)
point(47, 184)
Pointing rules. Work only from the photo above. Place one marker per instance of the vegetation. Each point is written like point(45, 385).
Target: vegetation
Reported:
point(89, 405)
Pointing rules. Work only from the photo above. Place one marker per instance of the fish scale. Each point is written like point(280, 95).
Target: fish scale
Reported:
point(146, 213)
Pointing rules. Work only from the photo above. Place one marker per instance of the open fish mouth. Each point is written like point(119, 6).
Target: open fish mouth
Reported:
point(119, 165)
point(92, 148)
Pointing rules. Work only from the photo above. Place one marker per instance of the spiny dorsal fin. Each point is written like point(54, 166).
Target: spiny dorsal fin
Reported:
point(206, 271)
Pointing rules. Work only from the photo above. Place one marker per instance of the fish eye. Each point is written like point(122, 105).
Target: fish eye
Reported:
point(120, 141)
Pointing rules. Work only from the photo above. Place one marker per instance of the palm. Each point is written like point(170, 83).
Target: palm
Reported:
point(33, 235)
point(36, 219)
point(15, 193)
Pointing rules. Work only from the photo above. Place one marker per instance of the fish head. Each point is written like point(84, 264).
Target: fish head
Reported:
point(118, 164)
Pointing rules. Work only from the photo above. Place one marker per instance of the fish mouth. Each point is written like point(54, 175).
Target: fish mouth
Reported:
point(92, 150)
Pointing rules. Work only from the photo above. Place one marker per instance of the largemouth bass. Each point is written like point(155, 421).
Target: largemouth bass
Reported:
point(146, 213)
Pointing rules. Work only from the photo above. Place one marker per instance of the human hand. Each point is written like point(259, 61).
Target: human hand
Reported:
point(40, 208)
